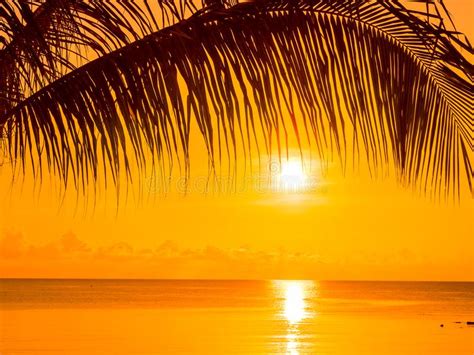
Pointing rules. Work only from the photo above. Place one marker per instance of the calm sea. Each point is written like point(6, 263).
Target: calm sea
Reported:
point(235, 317)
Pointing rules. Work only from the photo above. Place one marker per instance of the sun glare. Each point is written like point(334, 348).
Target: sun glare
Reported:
point(295, 308)
point(292, 176)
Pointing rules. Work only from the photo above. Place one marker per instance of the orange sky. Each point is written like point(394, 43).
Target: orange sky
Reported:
point(345, 227)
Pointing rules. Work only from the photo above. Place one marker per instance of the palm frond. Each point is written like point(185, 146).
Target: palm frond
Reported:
point(391, 75)
point(41, 40)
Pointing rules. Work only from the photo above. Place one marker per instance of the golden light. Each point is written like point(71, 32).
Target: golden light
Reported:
point(292, 344)
point(295, 307)
point(292, 176)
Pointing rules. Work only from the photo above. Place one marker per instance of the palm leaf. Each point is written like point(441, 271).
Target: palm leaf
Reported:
point(392, 76)
point(44, 39)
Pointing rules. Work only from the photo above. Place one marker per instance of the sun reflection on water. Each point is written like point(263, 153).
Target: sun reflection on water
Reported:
point(292, 344)
point(294, 310)
point(295, 307)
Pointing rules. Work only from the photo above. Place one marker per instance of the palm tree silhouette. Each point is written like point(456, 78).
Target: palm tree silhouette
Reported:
point(91, 85)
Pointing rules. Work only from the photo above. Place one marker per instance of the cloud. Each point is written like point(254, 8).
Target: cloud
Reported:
point(48, 251)
point(70, 243)
point(11, 246)
point(69, 256)
point(167, 249)
point(117, 251)
point(168, 253)
point(70, 246)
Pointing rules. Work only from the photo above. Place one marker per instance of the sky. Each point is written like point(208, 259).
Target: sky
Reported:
point(335, 226)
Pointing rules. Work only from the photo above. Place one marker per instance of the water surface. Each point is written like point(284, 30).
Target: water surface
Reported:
point(234, 317)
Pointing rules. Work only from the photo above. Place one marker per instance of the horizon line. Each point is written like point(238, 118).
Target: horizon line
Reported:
point(214, 280)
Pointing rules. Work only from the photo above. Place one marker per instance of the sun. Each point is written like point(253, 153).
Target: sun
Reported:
point(292, 177)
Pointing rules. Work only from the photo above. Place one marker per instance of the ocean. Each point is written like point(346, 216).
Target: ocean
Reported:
point(235, 317)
